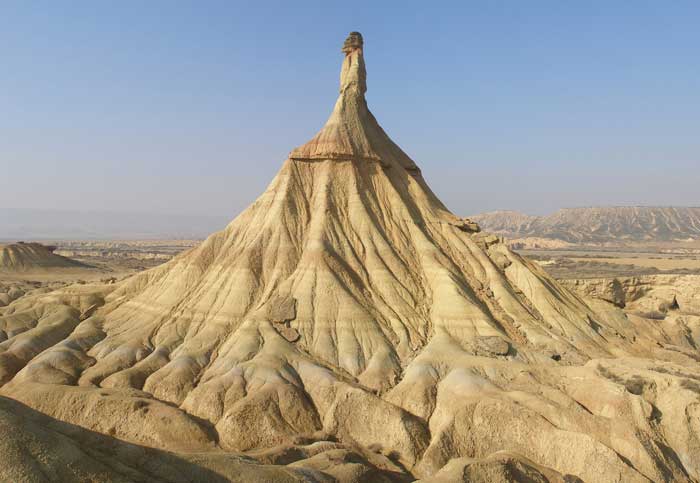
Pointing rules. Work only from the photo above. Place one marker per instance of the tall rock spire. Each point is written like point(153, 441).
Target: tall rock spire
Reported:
point(353, 74)
point(351, 132)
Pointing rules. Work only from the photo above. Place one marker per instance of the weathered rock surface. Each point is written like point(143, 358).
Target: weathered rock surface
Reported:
point(424, 350)
point(37, 448)
point(501, 467)
point(26, 257)
point(651, 295)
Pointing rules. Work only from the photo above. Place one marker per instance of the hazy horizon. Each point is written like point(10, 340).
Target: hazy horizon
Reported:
point(17, 224)
point(173, 109)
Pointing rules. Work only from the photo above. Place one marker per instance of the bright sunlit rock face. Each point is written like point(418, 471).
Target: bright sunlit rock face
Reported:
point(349, 315)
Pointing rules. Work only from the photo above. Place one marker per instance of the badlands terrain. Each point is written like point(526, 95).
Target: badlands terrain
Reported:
point(604, 241)
point(599, 224)
point(49, 265)
point(347, 327)
point(28, 257)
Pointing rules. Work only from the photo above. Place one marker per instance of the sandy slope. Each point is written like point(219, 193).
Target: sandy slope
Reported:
point(347, 304)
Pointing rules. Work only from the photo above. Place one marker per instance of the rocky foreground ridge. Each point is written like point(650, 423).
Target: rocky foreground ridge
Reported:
point(598, 224)
point(346, 327)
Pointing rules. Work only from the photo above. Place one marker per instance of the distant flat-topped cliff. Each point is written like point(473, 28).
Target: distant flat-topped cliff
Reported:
point(598, 224)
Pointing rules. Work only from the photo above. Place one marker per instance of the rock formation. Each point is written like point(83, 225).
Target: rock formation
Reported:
point(348, 324)
point(657, 297)
point(29, 257)
point(599, 224)
point(37, 448)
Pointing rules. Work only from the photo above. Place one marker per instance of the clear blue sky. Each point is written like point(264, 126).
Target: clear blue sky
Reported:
point(191, 107)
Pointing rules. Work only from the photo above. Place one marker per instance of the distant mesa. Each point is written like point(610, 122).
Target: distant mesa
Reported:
point(26, 257)
point(598, 224)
